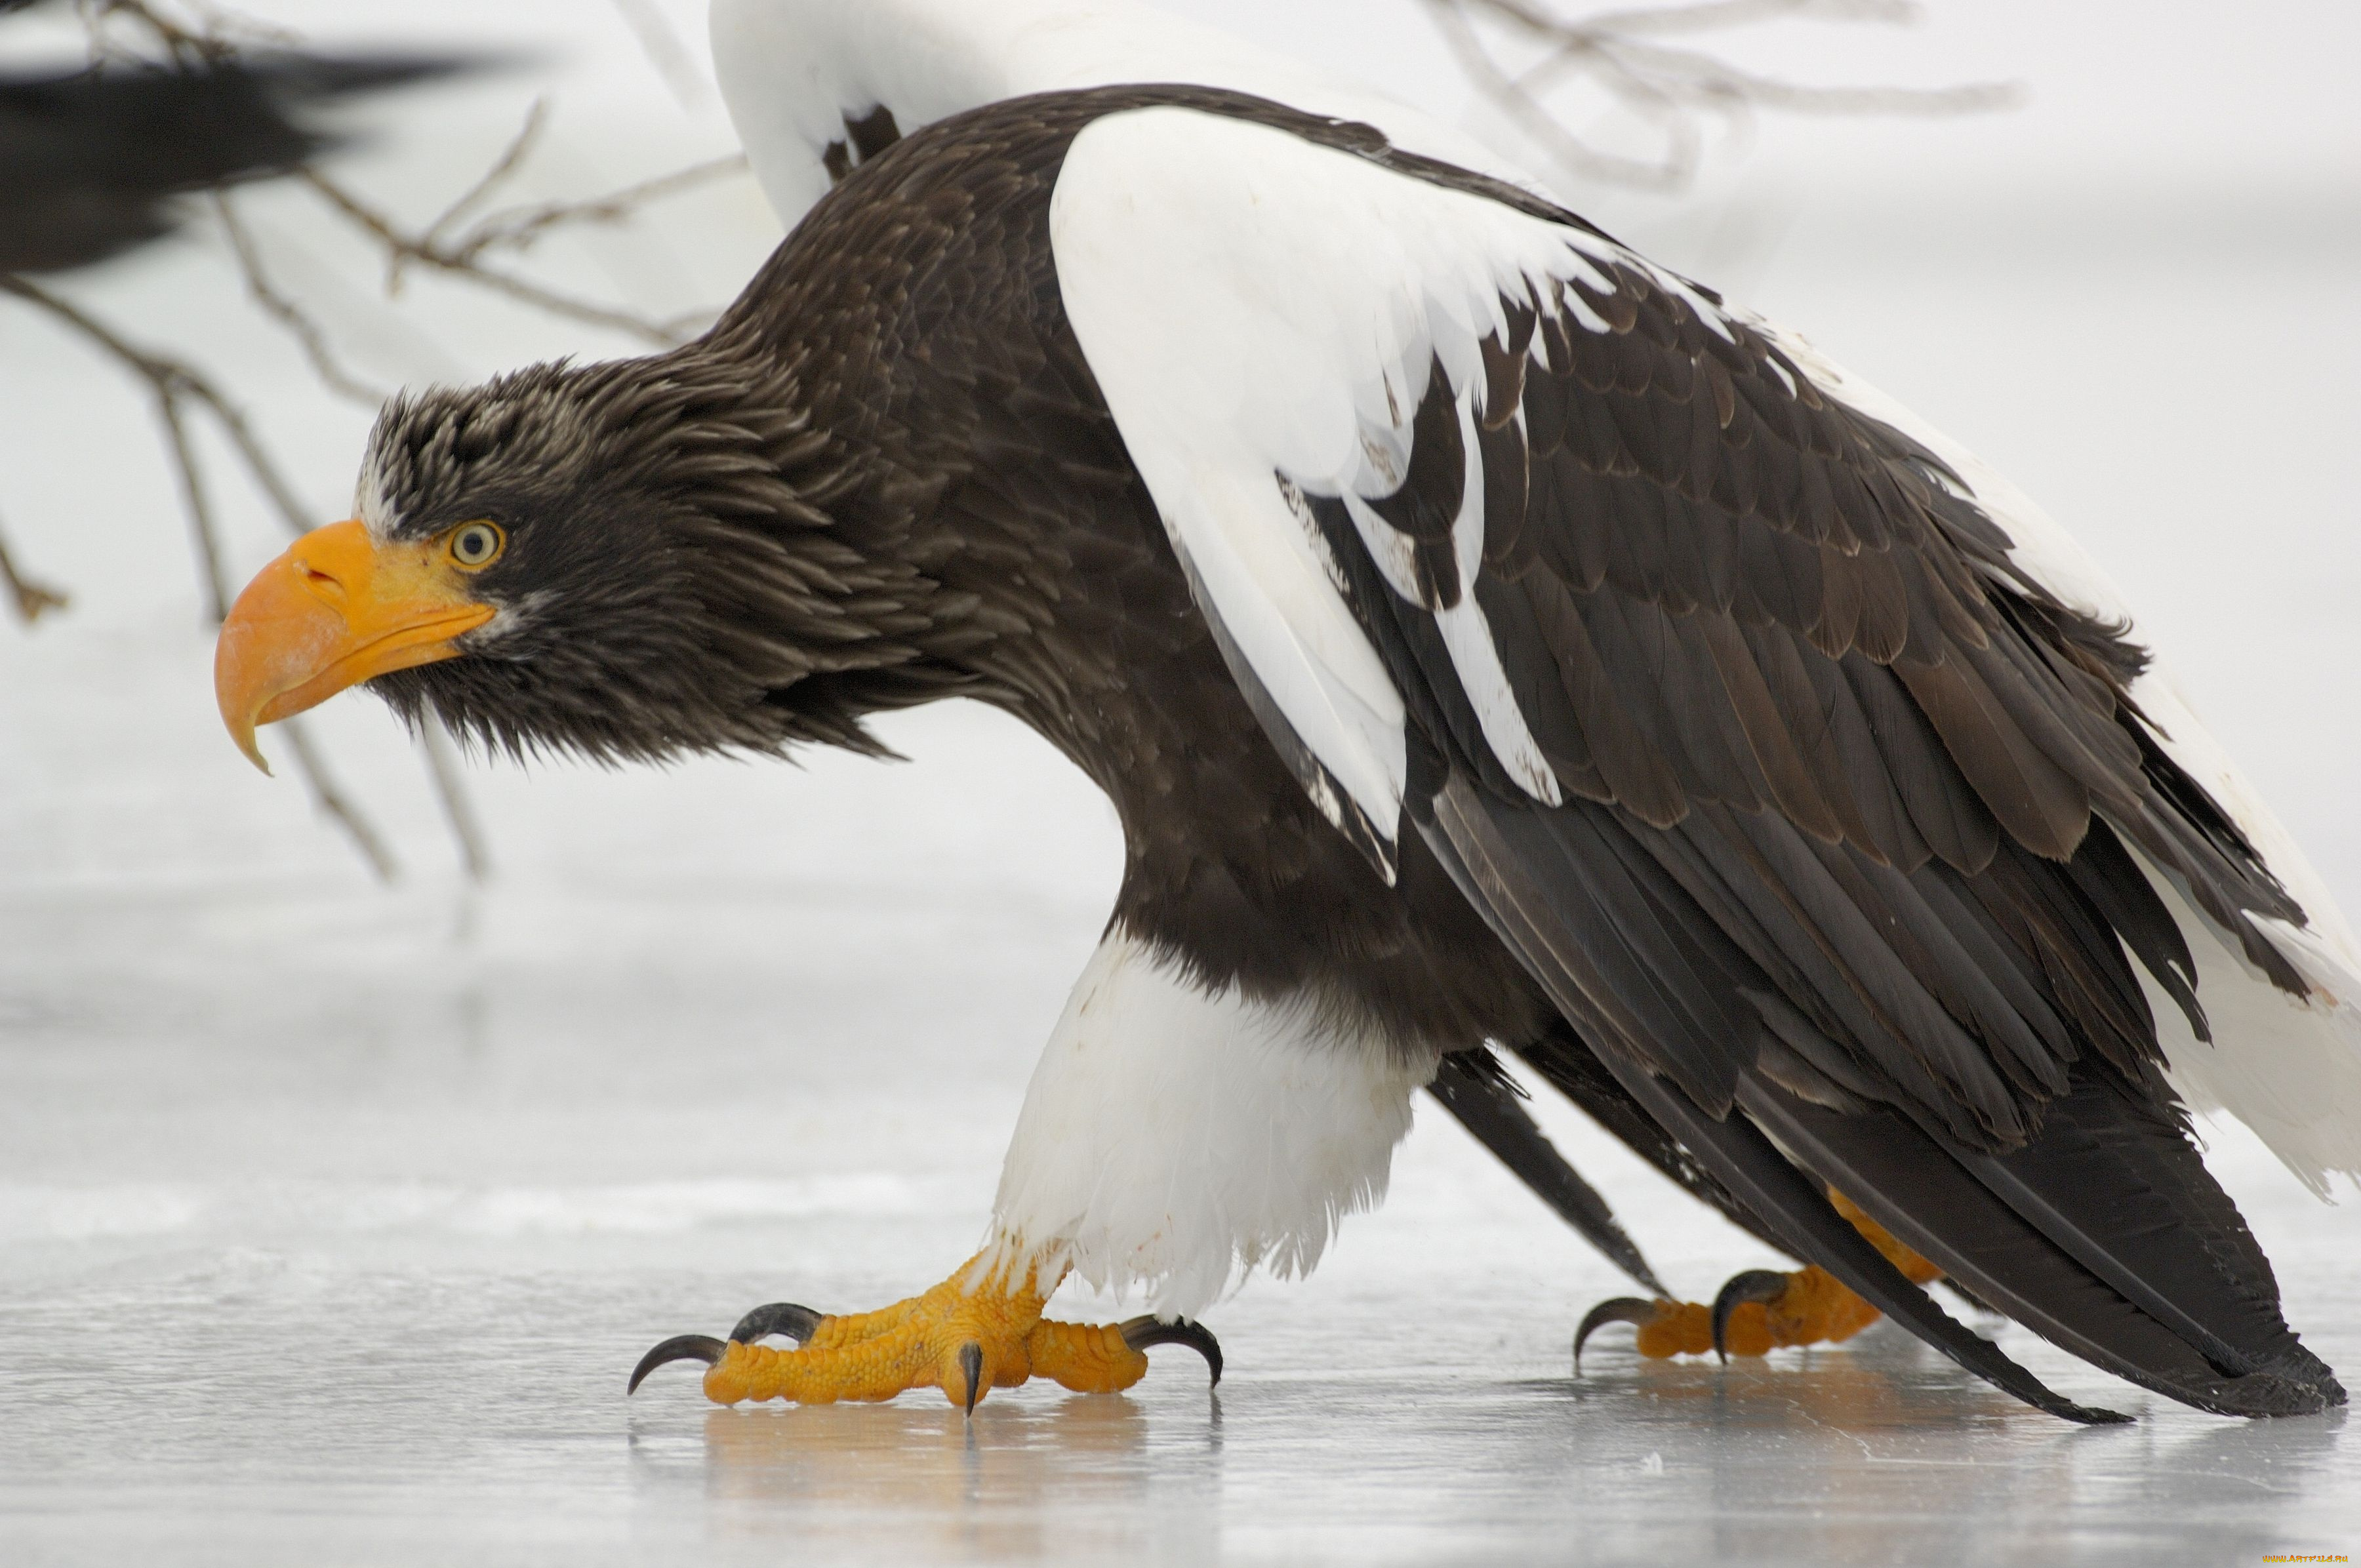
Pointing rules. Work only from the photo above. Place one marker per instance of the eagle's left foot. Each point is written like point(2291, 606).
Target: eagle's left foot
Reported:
point(1758, 1312)
point(962, 1340)
point(1754, 1312)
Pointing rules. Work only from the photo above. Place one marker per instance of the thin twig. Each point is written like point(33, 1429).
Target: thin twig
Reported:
point(505, 164)
point(402, 248)
point(1673, 89)
point(162, 372)
point(331, 800)
point(169, 381)
point(211, 576)
point(443, 767)
point(172, 382)
point(32, 599)
point(519, 227)
point(1669, 173)
point(307, 333)
point(192, 45)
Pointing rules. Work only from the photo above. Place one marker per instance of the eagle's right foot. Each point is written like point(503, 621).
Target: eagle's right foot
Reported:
point(962, 1337)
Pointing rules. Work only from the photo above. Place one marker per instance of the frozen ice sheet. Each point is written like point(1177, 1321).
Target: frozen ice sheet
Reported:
point(330, 1220)
point(403, 1388)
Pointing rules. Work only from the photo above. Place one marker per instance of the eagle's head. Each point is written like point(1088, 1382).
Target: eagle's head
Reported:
point(620, 561)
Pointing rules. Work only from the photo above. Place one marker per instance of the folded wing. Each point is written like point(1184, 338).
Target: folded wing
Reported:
point(1829, 808)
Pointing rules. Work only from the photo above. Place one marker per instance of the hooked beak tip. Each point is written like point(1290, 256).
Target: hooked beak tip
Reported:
point(244, 735)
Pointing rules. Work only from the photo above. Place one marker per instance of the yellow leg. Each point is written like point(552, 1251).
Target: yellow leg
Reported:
point(977, 1330)
point(1771, 1311)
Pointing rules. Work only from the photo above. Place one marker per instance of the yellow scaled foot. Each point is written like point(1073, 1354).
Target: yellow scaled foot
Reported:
point(1759, 1310)
point(975, 1331)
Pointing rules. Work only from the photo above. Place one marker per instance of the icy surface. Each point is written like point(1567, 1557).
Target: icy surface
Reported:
point(332, 1218)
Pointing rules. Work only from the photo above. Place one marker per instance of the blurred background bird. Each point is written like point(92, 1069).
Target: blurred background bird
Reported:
point(92, 160)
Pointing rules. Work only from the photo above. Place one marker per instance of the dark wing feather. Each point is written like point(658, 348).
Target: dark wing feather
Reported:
point(1740, 1159)
point(1843, 841)
point(1574, 1070)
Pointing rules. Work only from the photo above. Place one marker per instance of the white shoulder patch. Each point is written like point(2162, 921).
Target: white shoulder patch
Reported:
point(1263, 315)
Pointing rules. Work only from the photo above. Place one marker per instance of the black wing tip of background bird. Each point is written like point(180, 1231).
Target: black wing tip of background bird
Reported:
point(309, 75)
point(90, 159)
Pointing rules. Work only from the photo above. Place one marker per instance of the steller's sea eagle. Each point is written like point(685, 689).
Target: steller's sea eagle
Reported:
point(1484, 635)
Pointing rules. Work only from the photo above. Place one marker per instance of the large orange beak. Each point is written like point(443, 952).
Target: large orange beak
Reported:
point(337, 608)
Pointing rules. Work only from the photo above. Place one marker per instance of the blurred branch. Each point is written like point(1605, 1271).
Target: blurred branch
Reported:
point(445, 246)
point(535, 119)
point(1673, 89)
point(308, 335)
point(174, 384)
point(461, 254)
point(328, 798)
point(218, 37)
point(518, 227)
point(173, 380)
point(404, 248)
point(442, 765)
point(32, 599)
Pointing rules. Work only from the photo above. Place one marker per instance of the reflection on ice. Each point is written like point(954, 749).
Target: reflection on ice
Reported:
point(1027, 1481)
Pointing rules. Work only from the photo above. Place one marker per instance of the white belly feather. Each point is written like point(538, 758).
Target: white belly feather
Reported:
point(1173, 1139)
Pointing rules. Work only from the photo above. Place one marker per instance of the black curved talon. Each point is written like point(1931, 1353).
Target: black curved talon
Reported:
point(971, 1365)
point(680, 1347)
point(777, 1318)
point(1141, 1332)
point(1752, 1284)
point(1620, 1310)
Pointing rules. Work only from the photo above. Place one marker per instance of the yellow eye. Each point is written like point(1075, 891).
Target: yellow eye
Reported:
point(476, 546)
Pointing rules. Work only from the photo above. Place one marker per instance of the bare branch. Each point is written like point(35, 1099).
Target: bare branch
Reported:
point(517, 228)
point(168, 382)
point(171, 383)
point(502, 167)
point(1671, 172)
point(182, 42)
point(1709, 15)
point(211, 579)
point(307, 333)
point(402, 248)
point(443, 767)
point(32, 599)
point(178, 378)
point(331, 801)
point(1672, 89)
